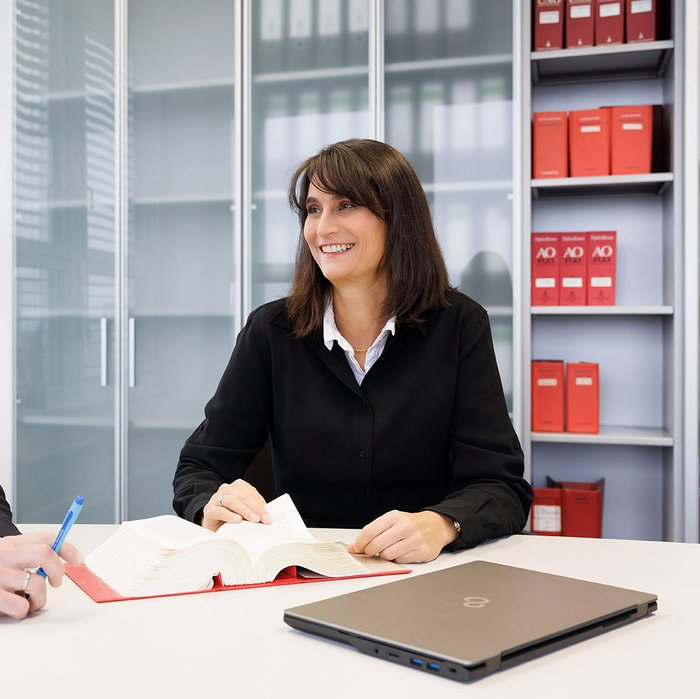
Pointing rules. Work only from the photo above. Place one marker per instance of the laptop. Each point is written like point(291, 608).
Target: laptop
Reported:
point(470, 620)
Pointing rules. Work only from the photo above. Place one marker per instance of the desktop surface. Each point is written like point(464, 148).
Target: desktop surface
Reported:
point(235, 643)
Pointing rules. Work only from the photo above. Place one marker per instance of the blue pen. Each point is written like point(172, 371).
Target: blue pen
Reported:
point(68, 522)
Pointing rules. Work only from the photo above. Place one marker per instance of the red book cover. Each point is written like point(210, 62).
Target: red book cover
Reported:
point(602, 261)
point(609, 22)
point(631, 135)
point(573, 278)
point(548, 25)
point(547, 396)
point(581, 507)
point(545, 515)
point(579, 23)
point(582, 398)
point(100, 592)
point(589, 142)
point(640, 20)
point(550, 144)
point(544, 288)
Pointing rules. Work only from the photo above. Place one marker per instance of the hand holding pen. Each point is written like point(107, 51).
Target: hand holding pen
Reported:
point(22, 591)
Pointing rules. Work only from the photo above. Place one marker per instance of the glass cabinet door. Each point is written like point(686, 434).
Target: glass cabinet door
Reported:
point(65, 258)
point(310, 77)
point(448, 107)
point(183, 284)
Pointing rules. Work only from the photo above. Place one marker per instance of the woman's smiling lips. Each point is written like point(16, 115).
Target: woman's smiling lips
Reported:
point(336, 248)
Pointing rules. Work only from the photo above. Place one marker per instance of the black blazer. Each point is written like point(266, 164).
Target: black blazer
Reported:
point(6, 526)
point(427, 429)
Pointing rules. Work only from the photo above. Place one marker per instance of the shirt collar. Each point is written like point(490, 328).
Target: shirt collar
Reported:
point(331, 332)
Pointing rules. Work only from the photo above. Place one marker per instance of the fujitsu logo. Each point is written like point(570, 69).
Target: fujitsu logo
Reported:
point(602, 253)
point(574, 253)
point(475, 602)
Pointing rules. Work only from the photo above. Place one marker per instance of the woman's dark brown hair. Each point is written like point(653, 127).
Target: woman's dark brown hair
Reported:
point(374, 175)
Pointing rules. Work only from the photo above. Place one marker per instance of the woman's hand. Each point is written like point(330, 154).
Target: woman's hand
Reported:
point(22, 592)
point(234, 502)
point(406, 537)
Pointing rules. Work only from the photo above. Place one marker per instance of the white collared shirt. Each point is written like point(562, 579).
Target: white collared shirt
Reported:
point(331, 333)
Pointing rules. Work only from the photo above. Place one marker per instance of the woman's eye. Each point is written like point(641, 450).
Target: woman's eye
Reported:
point(312, 210)
point(346, 205)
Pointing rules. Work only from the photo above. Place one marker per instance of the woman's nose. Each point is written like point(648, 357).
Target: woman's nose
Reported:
point(327, 223)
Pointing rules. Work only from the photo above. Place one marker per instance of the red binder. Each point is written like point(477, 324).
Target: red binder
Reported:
point(640, 20)
point(574, 252)
point(550, 145)
point(545, 269)
point(609, 22)
point(589, 142)
point(631, 135)
point(602, 262)
point(582, 398)
point(100, 592)
point(580, 23)
point(545, 516)
point(547, 396)
point(548, 25)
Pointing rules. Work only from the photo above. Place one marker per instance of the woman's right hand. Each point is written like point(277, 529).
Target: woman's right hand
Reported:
point(234, 502)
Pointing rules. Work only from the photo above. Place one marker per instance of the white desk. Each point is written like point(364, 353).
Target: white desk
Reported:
point(235, 644)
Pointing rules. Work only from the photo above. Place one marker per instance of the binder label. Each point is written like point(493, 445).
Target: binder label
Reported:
point(639, 6)
point(610, 10)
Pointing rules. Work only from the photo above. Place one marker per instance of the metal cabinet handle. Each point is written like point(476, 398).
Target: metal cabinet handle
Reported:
point(132, 353)
point(103, 351)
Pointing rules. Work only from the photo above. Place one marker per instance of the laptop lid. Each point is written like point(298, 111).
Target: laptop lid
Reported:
point(470, 620)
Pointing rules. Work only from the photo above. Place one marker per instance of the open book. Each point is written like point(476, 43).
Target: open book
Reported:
point(167, 555)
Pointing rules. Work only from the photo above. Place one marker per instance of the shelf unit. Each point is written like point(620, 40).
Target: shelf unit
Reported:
point(638, 342)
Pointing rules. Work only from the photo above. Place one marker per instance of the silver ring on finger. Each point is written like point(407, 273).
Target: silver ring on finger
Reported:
point(27, 580)
point(221, 500)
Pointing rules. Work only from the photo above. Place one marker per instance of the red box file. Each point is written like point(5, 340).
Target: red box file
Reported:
point(589, 142)
point(580, 24)
point(545, 273)
point(548, 25)
point(545, 515)
point(573, 249)
point(582, 398)
point(550, 145)
point(602, 261)
point(631, 137)
point(640, 20)
point(547, 396)
point(581, 507)
point(609, 22)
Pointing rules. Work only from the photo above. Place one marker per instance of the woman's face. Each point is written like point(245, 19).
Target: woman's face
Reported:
point(346, 240)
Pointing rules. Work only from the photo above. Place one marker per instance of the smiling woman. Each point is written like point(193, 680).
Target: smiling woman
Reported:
point(375, 380)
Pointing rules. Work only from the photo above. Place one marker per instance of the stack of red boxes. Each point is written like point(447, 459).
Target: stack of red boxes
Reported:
point(573, 269)
point(596, 142)
point(573, 406)
point(581, 23)
point(567, 508)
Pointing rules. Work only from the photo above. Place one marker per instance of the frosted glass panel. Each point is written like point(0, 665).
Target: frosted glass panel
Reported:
point(310, 88)
point(182, 264)
point(65, 253)
point(449, 109)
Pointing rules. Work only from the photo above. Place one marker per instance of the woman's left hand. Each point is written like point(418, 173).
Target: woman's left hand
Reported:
point(405, 537)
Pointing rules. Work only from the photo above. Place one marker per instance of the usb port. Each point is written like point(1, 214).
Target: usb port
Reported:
point(416, 662)
point(435, 667)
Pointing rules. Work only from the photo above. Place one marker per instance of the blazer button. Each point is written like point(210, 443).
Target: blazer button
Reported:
point(365, 404)
point(363, 453)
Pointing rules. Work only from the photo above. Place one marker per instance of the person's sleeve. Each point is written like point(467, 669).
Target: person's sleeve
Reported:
point(7, 528)
point(234, 429)
point(489, 497)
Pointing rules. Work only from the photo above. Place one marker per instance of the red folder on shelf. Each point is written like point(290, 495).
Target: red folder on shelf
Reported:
point(548, 25)
point(641, 20)
point(546, 512)
point(581, 507)
point(609, 22)
point(579, 23)
point(100, 592)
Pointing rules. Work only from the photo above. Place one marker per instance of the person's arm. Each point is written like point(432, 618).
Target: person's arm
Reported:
point(21, 591)
point(489, 497)
point(7, 528)
point(234, 430)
